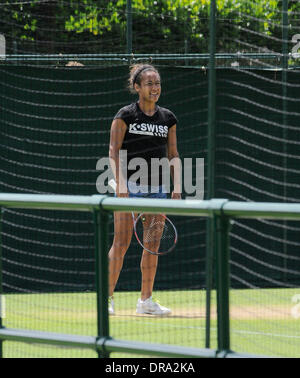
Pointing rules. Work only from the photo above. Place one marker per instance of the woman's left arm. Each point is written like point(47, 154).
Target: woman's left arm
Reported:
point(175, 162)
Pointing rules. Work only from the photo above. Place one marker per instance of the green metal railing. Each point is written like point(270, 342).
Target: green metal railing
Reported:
point(219, 210)
point(189, 60)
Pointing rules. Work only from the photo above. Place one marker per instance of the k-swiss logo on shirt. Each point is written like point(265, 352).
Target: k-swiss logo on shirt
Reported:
point(149, 129)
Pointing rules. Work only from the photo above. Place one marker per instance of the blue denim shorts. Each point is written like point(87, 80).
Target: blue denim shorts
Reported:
point(157, 192)
point(160, 194)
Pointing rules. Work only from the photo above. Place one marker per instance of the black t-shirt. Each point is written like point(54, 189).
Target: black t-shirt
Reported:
point(146, 137)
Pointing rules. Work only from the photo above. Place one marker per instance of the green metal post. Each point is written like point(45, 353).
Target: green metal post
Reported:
point(129, 26)
point(285, 63)
point(223, 282)
point(1, 284)
point(101, 247)
point(211, 139)
point(186, 37)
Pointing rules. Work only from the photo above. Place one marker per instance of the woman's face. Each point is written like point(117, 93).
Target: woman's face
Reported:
point(150, 89)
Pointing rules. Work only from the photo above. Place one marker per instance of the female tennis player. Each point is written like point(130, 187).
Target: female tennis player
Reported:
point(142, 129)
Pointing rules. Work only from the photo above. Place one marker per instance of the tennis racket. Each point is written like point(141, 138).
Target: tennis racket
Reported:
point(155, 233)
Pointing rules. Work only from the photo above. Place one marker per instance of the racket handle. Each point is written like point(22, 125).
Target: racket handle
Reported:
point(113, 185)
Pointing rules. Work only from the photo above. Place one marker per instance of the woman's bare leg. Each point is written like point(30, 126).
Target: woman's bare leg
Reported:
point(149, 262)
point(123, 227)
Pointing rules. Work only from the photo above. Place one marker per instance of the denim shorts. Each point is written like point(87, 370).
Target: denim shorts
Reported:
point(160, 194)
point(146, 192)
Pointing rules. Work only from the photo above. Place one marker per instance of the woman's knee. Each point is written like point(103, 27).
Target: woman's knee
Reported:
point(120, 247)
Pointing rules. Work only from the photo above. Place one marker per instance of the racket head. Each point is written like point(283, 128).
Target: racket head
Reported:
point(155, 233)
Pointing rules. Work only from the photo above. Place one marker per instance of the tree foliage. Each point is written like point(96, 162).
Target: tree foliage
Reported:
point(168, 26)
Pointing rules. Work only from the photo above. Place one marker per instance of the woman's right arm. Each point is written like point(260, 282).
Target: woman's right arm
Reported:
point(117, 133)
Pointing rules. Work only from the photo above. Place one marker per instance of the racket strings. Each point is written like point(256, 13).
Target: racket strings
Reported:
point(157, 234)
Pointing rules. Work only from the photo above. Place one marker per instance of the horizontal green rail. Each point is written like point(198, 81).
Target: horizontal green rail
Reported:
point(50, 202)
point(111, 345)
point(236, 209)
point(49, 338)
point(103, 345)
point(125, 58)
point(233, 209)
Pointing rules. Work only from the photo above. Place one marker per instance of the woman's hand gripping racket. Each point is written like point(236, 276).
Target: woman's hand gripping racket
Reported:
point(155, 233)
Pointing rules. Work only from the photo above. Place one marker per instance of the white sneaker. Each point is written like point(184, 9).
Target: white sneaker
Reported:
point(111, 306)
point(148, 306)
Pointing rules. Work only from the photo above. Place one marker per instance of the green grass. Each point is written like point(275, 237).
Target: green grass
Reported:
point(261, 321)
